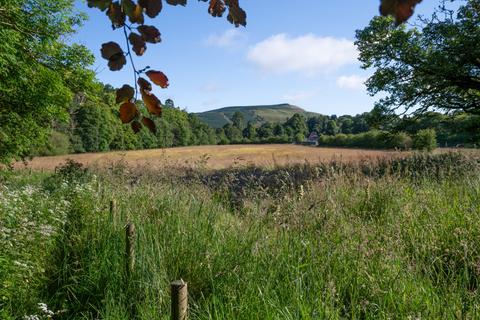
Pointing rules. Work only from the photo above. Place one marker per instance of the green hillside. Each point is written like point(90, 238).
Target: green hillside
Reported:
point(258, 114)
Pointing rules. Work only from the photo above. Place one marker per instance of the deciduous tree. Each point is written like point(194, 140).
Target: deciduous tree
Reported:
point(38, 71)
point(432, 65)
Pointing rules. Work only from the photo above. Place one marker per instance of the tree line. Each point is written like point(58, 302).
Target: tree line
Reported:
point(93, 126)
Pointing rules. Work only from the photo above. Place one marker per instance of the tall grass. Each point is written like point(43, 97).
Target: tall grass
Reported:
point(344, 243)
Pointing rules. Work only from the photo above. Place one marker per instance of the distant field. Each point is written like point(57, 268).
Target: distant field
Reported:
point(216, 157)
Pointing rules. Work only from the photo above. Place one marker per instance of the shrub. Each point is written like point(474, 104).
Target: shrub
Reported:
point(341, 140)
point(299, 137)
point(425, 140)
point(324, 140)
point(401, 141)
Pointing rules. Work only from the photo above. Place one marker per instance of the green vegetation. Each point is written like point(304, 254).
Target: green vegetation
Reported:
point(425, 140)
point(433, 65)
point(370, 140)
point(39, 72)
point(328, 241)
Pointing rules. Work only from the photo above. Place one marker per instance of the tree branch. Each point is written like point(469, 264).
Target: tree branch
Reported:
point(129, 53)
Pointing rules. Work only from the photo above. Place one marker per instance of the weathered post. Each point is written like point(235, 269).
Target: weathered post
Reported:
point(179, 292)
point(130, 248)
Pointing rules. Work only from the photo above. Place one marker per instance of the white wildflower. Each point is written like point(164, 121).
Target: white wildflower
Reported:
point(44, 308)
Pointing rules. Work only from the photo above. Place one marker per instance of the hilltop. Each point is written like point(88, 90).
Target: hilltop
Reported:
point(277, 113)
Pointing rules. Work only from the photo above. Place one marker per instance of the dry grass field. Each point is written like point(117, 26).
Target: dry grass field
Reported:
point(215, 157)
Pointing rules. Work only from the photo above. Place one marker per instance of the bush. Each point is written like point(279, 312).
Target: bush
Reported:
point(299, 137)
point(401, 141)
point(341, 140)
point(425, 140)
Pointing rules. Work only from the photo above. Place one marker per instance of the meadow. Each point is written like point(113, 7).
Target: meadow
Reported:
point(394, 238)
point(215, 157)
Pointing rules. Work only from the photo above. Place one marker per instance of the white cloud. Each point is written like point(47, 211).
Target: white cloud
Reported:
point(353, 82)
point(308, 54)
point(229, 39)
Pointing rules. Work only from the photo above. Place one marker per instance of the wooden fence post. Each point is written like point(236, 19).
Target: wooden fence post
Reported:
point(130, 248)
point(179, 292)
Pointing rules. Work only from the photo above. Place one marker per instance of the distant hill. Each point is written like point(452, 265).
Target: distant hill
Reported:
point(278, 113)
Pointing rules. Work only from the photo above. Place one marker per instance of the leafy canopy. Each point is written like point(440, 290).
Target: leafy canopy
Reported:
point(38, 71)
point(434, 65)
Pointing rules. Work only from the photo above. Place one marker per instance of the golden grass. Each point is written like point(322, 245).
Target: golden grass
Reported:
point(215, 157)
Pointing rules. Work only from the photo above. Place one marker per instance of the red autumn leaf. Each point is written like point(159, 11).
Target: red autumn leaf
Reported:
point(405, 10)
point(152, 7)
point(138, 44)
point(402, 10)
point(114, 54)
point(150, 34)
point(216, 8)
point(110, 49)
point(236, 15)
point(117, 62)
point(133, 11)
point(144, 84)
point(128, 6)
point(136, 126)
point(137, 15)
point(152, 103)
point(147, 122)
point(387, 7)
point(158, 77)
point(116, 15)
point(128, 112)
point(125, 94)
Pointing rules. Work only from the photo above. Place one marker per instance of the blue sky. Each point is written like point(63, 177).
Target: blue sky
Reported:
point(300, 52)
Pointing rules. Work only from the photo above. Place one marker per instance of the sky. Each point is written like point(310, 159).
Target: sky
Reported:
point(298, 52)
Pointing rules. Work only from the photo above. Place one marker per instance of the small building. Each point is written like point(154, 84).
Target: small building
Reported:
point(312, 139)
